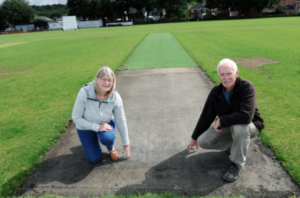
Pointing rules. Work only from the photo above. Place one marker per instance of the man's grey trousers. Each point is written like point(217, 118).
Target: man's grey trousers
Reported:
point(236, 137)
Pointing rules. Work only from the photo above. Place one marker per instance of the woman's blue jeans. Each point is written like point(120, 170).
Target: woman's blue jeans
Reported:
point(90, 142)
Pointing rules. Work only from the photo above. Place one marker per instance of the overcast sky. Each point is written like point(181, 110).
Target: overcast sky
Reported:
point(44, 2)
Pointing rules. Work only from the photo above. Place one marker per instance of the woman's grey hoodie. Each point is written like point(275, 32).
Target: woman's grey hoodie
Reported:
point(89, 113)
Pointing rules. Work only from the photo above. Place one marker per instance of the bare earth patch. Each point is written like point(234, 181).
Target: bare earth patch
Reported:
point(254, 62)
point(13, 71)
point(104, 37)
point(3, 74)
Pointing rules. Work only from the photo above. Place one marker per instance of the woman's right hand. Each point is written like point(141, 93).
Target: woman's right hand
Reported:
point(105, 127)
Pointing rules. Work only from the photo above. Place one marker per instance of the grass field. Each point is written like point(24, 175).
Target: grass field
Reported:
point(41, 74)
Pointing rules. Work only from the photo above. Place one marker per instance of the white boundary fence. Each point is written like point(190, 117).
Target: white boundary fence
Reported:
point(119, 23)
point(89, 24)
point(56, 25)
point(24, 27)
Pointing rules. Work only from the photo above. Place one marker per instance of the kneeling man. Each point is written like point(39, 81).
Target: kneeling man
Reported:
point(229, 119)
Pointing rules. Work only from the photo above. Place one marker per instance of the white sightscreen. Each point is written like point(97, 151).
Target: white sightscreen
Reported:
point(69, 22)
point(89, 24)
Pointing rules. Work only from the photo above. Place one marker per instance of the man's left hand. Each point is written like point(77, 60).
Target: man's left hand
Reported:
point(217, 125)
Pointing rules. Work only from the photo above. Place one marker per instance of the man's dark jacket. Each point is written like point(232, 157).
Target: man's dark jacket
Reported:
point(241, 110)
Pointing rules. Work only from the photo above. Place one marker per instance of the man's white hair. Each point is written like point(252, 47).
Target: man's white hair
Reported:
point(227, 60)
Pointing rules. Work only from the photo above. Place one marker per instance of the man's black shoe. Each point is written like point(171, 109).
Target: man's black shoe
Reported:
point(233, 173)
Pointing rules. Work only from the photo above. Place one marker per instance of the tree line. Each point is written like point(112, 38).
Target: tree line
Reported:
point(19, 11)
point(15, 11)
point(229, 5)
point(113, 9)
point(51, 11)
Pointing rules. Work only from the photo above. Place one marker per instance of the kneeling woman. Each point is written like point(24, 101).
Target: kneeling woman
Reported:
point(97, 108)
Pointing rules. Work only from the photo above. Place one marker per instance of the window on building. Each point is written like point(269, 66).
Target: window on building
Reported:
point(198, 10)
point(192, 11)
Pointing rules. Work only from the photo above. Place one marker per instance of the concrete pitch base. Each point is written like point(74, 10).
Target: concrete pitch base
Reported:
point(162, 107)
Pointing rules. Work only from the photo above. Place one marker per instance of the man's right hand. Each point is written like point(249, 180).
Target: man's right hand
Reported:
point(192, 144)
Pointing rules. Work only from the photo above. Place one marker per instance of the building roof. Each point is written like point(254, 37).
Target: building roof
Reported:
point(46, 18)
point(197, 6)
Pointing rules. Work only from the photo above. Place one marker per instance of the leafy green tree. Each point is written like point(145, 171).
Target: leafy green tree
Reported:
point(55, 10)
point(121, 8)
point(44, 13)
point(79, 8)
point(127, 6)
point(191, 1)
point(241, 4)
point(2, 19)
point(17, 11)
point(94, 10)
point(221, 5)
point(106, 11)
point(55, 14)
point(259, 5)
point(38, 19)
point(176, 7)
point(160, 4)
point(1, 14)
point(139, 5)
point(149, 5)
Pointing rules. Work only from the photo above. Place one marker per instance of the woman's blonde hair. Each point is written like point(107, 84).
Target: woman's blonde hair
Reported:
point(100, 74)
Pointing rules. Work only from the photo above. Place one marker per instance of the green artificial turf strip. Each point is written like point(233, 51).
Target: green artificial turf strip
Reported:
point(41, 74)
point(159, 50)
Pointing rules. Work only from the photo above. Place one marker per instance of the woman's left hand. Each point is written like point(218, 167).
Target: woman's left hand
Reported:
point(127, 150)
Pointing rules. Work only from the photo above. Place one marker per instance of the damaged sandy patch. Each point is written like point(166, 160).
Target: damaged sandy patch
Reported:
point(12, 71)
point(103, 37)
point(254, 62)
point(11, 44)
point(3, 74)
